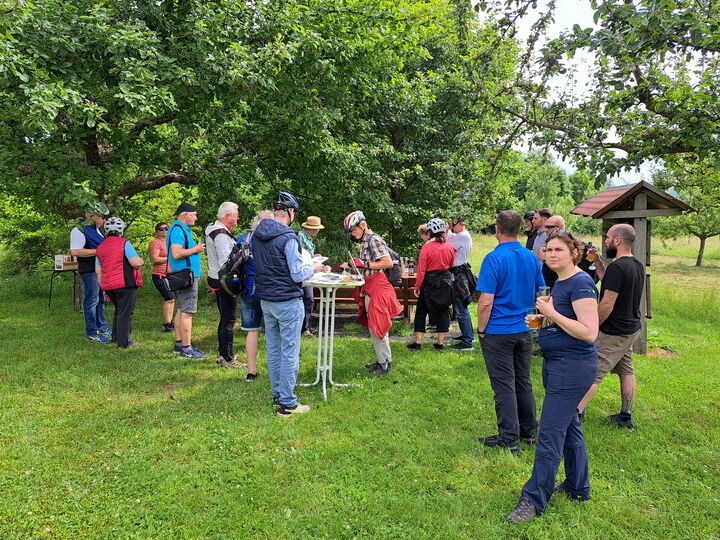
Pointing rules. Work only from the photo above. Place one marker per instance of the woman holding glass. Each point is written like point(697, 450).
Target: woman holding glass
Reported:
point(567, 339)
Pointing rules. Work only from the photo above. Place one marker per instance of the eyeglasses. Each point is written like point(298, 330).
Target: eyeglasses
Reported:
point(562, 232)
point(162, 229)
point(551, 226)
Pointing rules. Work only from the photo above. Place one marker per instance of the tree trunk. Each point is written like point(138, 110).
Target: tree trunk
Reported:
point(78, 300)
point(701, 251)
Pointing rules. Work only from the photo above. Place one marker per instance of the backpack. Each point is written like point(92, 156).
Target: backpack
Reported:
point(233, 274)
point(394, 274)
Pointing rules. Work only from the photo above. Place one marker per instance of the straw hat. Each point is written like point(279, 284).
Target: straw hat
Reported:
point(313, 222)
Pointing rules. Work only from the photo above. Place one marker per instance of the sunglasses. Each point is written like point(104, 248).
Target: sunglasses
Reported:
point(162, 229)
point(551, 226)
point(561, 232)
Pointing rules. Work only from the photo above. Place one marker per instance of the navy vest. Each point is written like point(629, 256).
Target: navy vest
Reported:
point(92, 240)
point(272, 275)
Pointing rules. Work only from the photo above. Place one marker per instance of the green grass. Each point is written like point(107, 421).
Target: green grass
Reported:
point(96, 442)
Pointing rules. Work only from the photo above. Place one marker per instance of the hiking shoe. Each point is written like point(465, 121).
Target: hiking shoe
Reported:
point(461, 347)
point(379, 371)
point(524, 511)
point(100, 338)
point(438, 346)
point(250, 377)
point(192, 352)
point(563, 488)
point(168, 327)
point(230, 364)
point(414, 346)
point(495, 442)
point(622, 420)
point(284, 411)
point(528, 440)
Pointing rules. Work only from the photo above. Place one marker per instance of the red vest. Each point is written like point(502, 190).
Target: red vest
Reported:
point(116, 270)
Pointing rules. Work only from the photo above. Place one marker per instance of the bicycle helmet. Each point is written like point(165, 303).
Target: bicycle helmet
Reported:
point(114, 225)
point(529, 215)
point(99, 209)
point(436, 226)
point(285, 201)
point(353, 219)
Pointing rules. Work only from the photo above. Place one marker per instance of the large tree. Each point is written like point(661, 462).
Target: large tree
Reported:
point(653, 92)
point(349, 103)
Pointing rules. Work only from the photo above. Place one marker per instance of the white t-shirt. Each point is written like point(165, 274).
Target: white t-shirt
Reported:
point(462, 242)
point(77, 238)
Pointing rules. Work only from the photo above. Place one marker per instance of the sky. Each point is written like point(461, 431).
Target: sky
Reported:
point(567, 14)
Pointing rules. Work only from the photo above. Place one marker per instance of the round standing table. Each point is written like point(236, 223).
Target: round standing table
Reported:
point(328, 285)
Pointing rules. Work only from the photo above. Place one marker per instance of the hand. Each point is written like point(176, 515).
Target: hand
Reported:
point(200, 248)
point(317, 267)
point(344, 265)
point(541, 254)
point(546, 308)
point(416, 293)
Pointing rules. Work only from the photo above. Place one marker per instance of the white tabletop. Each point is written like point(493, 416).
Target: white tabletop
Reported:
point(330, 280)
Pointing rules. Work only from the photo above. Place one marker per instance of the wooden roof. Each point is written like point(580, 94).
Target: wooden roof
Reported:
point(620, 199)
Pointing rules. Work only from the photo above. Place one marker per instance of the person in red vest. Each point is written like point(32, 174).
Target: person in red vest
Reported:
point(117, 265)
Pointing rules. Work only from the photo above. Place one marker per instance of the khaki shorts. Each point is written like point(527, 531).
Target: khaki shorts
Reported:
point(614, 355)
point(186, 300)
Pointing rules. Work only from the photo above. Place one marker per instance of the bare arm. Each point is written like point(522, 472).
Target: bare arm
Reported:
point(586, 325)
point(182, 253)
point(606, 305)
point(600, 268)
point(136, 262)
point(155, 257)
point(485, 304)
point(82, 252)
point(382, 263)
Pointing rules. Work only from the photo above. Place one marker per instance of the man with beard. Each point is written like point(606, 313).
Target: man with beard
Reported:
point(620, 324)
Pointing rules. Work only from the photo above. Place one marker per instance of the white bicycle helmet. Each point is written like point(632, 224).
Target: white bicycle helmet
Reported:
point(353, 219)
point(436, 225)
point(114, 224)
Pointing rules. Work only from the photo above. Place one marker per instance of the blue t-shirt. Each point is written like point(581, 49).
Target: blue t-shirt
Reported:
point(512, 274)
point(176, 237)
point(129, 253)
point(554, 341)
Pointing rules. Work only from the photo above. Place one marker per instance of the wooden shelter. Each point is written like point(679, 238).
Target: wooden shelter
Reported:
point(634, 204)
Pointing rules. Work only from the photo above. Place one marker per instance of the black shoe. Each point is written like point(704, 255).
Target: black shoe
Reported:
point(622, 420)
point(456, 338)
point(438, 346)
point(565, 490)
point(495, 442)
point(250, 377)
point(371, 365)
point(461, 347)
point(528, 439)
point(581, 415)
point(169, 327)
point(414, 346)
point(379, 371)
point(276, 401)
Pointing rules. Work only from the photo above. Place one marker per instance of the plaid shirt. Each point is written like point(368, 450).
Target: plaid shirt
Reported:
point(372, 248)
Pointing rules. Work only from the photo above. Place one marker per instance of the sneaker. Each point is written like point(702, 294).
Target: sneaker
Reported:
point(622, 420)
point(414, 346)
point(528, 439)
point(192, 352)
point(371, 365)
point(379, 371)
point(276, 401)
point(461, 347)
point(250, 377)
point(177, 349)
point(107, 333)
point(284, 411)
point(308, 333)
point(438, 346)
point(230, 364)
point(524, 511)
point(495, 442)
point(168, 327)
point(132, 343)
point(581, 415)
point(456, 338)
point(100, 338)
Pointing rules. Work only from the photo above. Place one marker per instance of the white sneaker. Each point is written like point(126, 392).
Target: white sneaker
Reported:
point(287, 412)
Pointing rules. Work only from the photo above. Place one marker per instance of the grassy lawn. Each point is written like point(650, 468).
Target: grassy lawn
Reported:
point(98, 442)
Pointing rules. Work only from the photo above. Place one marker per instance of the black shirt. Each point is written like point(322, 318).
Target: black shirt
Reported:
point(531, 240)
point(625, 276)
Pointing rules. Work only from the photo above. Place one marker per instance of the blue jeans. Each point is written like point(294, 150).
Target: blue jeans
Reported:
point(93, 304)
point(283, 323)
point(566, 381)
point(463, 313)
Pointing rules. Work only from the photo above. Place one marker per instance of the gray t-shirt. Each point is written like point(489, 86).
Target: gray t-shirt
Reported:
point(462, 242)
point(540, 240)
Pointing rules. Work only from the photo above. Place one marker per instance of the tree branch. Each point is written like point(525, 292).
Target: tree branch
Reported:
point(145, 183)
point(139, 126)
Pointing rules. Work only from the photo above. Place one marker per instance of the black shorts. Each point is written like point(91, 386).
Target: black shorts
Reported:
point(162, 287)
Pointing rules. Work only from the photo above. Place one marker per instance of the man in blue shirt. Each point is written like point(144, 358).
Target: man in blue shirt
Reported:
point(183, 253)
point(509, 277)
point(279, 273)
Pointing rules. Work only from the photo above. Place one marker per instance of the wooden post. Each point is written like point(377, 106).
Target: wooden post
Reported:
point(640, 224)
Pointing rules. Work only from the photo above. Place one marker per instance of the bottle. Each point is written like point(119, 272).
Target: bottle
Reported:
point(411, 267)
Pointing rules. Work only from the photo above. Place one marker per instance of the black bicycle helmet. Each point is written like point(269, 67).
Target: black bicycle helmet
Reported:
point(285, 201)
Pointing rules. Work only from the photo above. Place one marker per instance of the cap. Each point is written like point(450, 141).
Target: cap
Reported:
point(185, 207)
point(457, 219)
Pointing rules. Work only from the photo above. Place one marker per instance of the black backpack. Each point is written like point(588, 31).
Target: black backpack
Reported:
point(233, 274)
point(394, 274)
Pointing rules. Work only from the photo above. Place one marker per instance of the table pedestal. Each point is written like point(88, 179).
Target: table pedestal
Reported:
point(326, 338)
